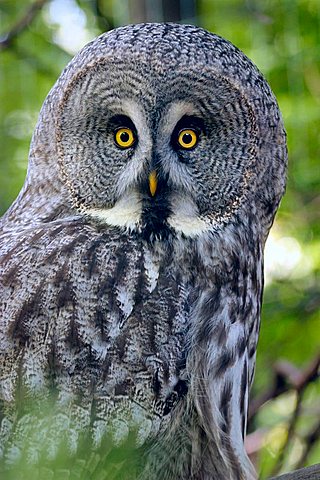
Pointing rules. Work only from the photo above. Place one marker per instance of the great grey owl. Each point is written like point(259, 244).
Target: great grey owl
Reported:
point(132, 260)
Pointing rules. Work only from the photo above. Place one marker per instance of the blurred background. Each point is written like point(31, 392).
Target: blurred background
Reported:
point(282, 37)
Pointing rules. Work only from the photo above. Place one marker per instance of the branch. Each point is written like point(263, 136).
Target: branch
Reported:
point(7, 39)
point(287, 377)
point(290, 433)
point(309, 473)
point(310, 441)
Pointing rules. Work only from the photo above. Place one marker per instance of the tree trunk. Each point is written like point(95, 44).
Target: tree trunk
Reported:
point(161, 10)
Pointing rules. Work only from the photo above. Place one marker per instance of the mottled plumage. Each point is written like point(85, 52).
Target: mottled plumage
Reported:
point(138, 312)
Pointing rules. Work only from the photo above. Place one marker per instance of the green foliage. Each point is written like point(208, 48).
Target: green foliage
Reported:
point(283, 39)
point(42, 449)
point(28, 69)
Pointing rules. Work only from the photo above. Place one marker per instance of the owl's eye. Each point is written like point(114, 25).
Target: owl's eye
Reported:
point(187, 138)
point(124, 137)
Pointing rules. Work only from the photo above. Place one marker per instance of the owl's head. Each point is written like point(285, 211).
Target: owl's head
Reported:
point(162, 128)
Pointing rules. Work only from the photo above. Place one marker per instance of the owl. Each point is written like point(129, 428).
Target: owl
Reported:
point(131, 265)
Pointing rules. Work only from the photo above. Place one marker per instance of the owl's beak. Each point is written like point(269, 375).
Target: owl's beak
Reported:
point(153, 182)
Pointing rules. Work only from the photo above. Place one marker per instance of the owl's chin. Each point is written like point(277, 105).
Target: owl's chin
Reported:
point(156, 218)
point(126, 212)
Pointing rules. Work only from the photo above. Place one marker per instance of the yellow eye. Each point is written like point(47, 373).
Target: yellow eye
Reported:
point(187, 138)
point(124, 137)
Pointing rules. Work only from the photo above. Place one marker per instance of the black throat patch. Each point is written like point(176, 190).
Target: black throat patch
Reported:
point(155, 211)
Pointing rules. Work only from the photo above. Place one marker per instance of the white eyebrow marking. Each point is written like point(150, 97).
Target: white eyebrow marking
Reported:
point(175, 112)
point(134, 111)
point(142, 155)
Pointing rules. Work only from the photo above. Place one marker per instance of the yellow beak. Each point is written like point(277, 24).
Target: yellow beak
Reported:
point(153, 182)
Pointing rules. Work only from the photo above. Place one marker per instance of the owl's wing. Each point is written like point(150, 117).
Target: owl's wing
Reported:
point(55, 336)
point(83, 338)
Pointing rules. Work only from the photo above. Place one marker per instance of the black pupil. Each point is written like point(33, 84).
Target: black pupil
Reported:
point(124, 136)
point(187, 138)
